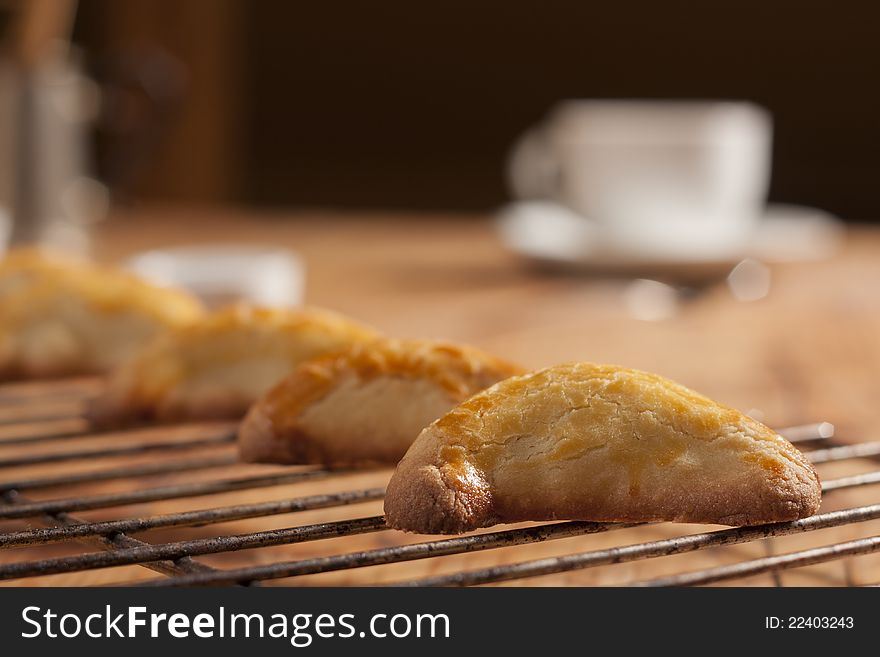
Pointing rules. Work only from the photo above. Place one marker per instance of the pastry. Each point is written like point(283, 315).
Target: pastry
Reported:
point(596, 442)
point(366, 404)
point(217, 367)
point(60, 316)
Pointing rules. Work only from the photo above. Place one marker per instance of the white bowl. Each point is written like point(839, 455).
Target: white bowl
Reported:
point(220, 273)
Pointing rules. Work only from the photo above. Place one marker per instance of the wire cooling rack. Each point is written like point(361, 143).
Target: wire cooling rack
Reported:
point(64, 488)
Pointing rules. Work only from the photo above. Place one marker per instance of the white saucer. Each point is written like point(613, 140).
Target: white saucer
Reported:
point(551, 234)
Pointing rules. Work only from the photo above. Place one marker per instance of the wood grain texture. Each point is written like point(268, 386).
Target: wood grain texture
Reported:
point(807, 352)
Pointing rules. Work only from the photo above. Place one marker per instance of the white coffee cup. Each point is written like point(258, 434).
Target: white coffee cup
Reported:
point(667, 179)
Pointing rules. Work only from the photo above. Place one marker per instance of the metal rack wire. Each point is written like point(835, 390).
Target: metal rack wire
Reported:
point(32, 413)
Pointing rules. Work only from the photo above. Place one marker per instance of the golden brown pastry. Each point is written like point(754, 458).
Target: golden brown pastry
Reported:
point(596, 442)
point(60, 316)
point(217, 367)
point(366, 404)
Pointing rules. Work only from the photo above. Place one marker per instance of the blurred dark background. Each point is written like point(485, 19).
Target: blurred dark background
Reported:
point(406, 104)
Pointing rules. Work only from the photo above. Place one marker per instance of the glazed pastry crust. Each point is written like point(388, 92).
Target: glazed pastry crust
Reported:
point(60, 316)
point(365, 405)
point(597, 442)
point(217, 367)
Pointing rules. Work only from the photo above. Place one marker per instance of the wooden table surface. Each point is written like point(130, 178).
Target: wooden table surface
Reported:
point(809, 351)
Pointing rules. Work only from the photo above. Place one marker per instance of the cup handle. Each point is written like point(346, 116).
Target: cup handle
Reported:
point(532, 168)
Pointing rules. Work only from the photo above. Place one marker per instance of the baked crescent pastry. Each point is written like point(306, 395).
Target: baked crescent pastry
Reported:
point(596, 442)
point(61, 316)
point(366, 404)
point(217, 367)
